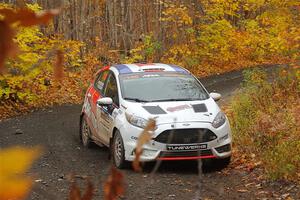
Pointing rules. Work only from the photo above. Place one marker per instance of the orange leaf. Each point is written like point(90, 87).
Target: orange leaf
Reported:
point(136, 162)
point(114, 186)
point(26, 17)
point(89, 192)
point(144, 138)
point(75, 193)
point(58, 66)
point(7, 47)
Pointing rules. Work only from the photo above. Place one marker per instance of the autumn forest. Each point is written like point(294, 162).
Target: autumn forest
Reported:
point(51, 49)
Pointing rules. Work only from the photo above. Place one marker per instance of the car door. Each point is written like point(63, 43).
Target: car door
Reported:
point(96, 92)
point(107, 119)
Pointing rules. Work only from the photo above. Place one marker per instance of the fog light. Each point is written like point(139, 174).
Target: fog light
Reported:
point(149, 153)
point(224, 148)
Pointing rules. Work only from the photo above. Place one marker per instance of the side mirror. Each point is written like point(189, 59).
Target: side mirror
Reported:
point(104, 101)
point(215, 96)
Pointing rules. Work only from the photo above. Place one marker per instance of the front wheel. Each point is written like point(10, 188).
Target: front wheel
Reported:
point(215, 164)
point(222, 163)
point(118, 151)
point(85, 133)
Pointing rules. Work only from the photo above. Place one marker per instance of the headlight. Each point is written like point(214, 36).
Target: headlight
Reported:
point(136, 121)
point(219, 120)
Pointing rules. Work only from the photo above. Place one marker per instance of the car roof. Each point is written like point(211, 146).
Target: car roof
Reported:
point(148, 67)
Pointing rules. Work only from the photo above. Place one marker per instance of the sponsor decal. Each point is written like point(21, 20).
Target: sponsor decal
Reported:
point(186, 124)
point(150, 75)
point(154, 70)
point(134, 138)
point(179, 108)
point(131, 76)
point(186, 147)
point(114, 113)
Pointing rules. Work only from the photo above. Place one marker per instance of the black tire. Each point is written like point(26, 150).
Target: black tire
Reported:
point(118, 151)
point(85, 133)
point(222, 162)
point(211, 165)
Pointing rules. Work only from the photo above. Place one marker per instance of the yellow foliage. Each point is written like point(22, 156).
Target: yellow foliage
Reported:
point(175, 14)
point(14, 162)
point(144, 51)
point(231, 34)
point(26, 81)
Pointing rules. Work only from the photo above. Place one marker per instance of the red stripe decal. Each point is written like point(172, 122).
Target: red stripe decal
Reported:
point(186, 158)
point(103, 69)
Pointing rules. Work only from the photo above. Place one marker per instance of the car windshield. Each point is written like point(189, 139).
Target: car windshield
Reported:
point(161, 86)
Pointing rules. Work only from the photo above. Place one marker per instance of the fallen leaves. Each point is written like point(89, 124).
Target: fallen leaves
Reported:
point(21, 17)
point(242, 190)
point(247, 162)
point(75, 193)
point(14, 163)
point(114, 186)
point(144, 138)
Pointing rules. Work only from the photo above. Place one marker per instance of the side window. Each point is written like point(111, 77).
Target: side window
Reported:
point(111, 89)
point(100, 80)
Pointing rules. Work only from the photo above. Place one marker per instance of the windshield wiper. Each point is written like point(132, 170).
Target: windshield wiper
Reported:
point(161, 100)
point(135, 99)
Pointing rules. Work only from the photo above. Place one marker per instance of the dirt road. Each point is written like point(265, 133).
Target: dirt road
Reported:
point(56, 130)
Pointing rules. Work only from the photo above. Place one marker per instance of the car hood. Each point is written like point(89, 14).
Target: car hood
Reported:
point(175, 111)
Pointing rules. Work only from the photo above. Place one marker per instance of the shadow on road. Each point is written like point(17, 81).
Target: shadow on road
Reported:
point(180, 167)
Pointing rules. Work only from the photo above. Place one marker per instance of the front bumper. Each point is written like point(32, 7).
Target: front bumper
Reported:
point(217, 148)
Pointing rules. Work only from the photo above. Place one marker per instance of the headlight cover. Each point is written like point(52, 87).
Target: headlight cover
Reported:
point(136, 121)
point(219, 120)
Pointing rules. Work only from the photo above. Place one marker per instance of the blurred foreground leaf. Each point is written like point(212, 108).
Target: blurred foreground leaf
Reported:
point(75, 193)
point(114, 186)
point(58, 65)
point(14, 163)
point(22, 17)
point(144, 138)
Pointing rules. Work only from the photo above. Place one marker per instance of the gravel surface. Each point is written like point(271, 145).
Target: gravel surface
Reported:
point(56, 130)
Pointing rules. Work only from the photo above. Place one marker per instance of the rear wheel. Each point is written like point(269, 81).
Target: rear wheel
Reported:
point(85, 133)
point(118, 151)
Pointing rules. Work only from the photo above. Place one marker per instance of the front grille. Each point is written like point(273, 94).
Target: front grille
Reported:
point(185, 136)
point(224, 148)
point(185, 153)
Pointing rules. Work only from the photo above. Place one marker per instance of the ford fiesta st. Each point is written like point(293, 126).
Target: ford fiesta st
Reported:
point(189, 123)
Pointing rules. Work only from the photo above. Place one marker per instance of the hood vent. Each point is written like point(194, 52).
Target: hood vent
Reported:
point(154, 110)
point(198, 108)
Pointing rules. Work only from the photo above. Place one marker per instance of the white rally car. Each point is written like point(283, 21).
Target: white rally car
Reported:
point(190, 125)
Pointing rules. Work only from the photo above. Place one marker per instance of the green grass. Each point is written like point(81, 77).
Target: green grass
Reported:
point(265, 119)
